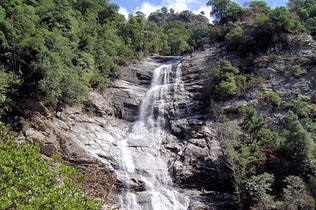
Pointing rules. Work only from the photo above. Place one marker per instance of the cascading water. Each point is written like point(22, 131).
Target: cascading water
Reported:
point(147, 181)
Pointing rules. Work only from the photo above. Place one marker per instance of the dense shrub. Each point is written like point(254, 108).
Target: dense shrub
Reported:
point(273, 98)
point(28, 182)
point(235, 38)
point(297, 71)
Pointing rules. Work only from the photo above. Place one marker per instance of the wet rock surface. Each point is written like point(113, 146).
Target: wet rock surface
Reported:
point(92, 132)
point(190, 150)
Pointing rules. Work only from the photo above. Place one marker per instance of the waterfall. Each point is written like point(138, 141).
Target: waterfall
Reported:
point(145, 171)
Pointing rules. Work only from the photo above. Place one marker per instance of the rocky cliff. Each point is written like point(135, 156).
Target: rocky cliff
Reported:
point(91, 132)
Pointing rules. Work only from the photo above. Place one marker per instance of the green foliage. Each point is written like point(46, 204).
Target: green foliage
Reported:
point(178, 37)
point(225, 10)
point(133, 32)
point(263, 32)
point(8, 84)
point(28, 182)
point(226, 80)
point(186, 15)
point(227, 87)
point(244, 162)
point(297, 71)
point(298, 140)
point(200, 34)
point(299, 147)
point(259, 158)
point(273, 98)
point(283, 21)
point(271, 26)
point(259, 7)
point(217, 34)
point(301, 107)
point(259, 187)
point(235, 38)
point(311, 25)
point(257, 128)
point(295, 194)
point(304, 9)
point(222, 79)
point(60, 50)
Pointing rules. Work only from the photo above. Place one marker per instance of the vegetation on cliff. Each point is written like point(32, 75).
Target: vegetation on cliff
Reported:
point(272, 162)
point(55, 51)
point(29, 182)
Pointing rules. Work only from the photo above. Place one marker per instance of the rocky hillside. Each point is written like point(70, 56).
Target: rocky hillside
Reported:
point(198, 164)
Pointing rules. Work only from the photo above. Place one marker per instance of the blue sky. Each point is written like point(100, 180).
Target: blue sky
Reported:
point(196, 6)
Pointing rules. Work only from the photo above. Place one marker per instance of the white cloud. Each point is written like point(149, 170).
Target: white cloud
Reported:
point(177, 5)
point(196, 6)
point(147, 8)
point(207, 10)
point(124, 12)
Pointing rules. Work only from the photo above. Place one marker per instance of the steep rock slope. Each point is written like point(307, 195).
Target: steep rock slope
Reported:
point(91, 132)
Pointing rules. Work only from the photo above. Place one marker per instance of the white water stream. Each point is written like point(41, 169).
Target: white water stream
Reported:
point(141, 163)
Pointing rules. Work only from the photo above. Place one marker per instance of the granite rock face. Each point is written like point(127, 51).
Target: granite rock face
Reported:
point(92, 132)
point(89, 133)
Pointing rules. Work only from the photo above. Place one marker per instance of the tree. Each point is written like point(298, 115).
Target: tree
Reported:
point(304, 9)
point(295, 194)
point(311, 25)
point(85, 6)
point(178, 41)
point(227, 87)
point(259, 187)
point(156, 40)
point(222, 79)
point(20, 36)
point(283, 21)
point(178, 37)
point(295, 5)
point(106, 11)
point(185, 15)
point(244, 162)
point(257, 129)
point(133, 32)
point(259, 7)
point(225, 10)
point(200, 34)
point(298, 146)
point(235, 38)
point(164, 10)
point(8, 85)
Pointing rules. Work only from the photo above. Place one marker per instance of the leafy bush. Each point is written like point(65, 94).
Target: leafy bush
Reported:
point(7, 83)
point(295, 194)
point(301, 106)
point(235, 38)
point(28, 182)
point(311, 25)
point(273, 98)
point(257, 128)
point(225, 10)
point(297, 71)
point(227, 87)
point(259, 187)
point(216, 34)
point(226, 80)
point(222, 79)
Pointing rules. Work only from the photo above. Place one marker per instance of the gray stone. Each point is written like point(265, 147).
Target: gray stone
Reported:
point(48, 144)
